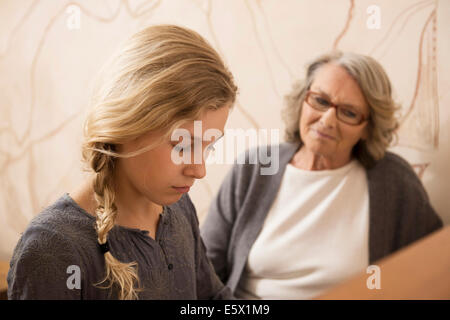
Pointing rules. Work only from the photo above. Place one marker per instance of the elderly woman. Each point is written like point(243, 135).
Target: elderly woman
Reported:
point(339, 201)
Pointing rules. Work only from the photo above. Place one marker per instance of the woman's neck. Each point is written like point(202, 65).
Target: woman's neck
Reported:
point(305, 159)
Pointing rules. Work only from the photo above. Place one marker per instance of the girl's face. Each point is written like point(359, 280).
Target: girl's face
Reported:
point(154, 175)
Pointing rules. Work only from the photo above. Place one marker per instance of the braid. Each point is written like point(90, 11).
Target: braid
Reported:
point(122, 274)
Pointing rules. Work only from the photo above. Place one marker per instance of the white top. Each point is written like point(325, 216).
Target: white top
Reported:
point(314, 236)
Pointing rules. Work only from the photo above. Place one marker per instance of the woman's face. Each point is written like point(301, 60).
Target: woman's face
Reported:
point(154, 174)
point(321, 132)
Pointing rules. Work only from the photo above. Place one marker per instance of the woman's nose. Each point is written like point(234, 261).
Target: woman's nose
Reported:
point(329, 118)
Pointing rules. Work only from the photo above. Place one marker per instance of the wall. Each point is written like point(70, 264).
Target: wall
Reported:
point(50, 50)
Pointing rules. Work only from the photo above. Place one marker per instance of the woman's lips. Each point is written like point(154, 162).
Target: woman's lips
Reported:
point(324, 135)
point(182, 189)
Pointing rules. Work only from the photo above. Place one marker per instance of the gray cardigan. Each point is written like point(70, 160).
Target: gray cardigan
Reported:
point(399, 211)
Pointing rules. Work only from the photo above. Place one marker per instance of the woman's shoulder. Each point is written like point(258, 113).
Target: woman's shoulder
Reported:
point(277, 151)
point(395, 165)
point(263, 160)
point(394, 160)
point(395, 172)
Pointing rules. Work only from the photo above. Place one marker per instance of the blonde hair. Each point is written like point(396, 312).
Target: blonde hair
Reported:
point(376, 88)
point(162, 77)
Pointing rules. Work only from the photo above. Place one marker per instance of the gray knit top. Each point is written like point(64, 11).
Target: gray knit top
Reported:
point(60, 244)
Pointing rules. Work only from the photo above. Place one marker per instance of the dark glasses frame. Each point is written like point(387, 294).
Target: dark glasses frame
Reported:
point(333, 105)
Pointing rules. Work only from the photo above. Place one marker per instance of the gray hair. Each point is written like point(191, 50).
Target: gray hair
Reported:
point(376, 88)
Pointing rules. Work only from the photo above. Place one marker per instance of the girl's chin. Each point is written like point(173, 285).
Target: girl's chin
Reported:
point(167, 199)
point(172, 198)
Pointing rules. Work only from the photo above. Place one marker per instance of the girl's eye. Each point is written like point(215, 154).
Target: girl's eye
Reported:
point(179, 148)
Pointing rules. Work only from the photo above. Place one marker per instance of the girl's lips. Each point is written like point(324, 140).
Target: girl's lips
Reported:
point(182, 189)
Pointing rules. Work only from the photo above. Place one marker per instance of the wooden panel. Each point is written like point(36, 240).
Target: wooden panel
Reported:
point(419, 271)
point(4, 267)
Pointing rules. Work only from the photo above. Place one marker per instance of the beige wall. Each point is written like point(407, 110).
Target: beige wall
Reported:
point(47, 61)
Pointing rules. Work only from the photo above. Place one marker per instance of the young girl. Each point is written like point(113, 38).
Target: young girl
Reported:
point(131, 231)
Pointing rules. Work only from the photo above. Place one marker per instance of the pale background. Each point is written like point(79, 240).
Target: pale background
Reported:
point(50, 50)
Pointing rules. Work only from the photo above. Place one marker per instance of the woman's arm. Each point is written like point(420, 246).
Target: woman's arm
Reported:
point(217, 228)
point(209, 286)
point(404, 196)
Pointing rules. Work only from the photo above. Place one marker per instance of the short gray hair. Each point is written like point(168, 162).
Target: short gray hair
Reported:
point(376, 88)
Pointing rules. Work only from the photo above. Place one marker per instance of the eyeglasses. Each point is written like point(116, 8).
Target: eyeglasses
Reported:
point(344, 113)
